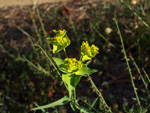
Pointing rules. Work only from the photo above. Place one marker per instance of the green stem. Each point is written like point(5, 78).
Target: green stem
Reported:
point(80, 58)
point(107, 109)
point(42, 25)
point(36, 28)
point(75, 99)
point(31, 39)
point(49, 59)
point(89, 105)
point(146, 85)
point(106, 40)
point(74, 95)
point(129, 69)
point(147, 76)
point(139, 72)
point(122, 1)
point(65, 53)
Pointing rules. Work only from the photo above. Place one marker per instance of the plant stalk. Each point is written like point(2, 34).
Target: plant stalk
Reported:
point(107, 109)
point(65, 53)
point(126, 59)
point(122, 1)
point(49, 59)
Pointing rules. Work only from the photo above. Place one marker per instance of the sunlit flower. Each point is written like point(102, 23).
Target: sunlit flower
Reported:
point(71, 65)
point(88, 52)
point(60, 41)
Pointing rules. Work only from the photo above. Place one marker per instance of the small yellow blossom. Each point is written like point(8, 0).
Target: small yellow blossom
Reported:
point(62, 31)
point(60, 41)
point(71, 65)
point(88, 52)
point(64, 40)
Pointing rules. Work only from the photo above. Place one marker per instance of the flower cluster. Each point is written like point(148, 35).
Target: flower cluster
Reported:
point(71, 65)
point(88, 52)
point(60, 41)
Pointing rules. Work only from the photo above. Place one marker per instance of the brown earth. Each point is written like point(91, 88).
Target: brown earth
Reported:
point(7, 3)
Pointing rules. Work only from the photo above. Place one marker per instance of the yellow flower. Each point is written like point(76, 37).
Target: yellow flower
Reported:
point(71, 65)
point(60, 41)
point(64, 40)
point(62, 31)
point(88, 52)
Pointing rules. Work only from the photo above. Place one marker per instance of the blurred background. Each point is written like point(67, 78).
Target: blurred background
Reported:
point(26, 75)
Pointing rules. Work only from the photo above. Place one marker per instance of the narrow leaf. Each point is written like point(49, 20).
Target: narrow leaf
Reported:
point(39, 106)
point(59, 102)
point(88, 62)
point(94, 102)
point(63, 70)
point(83, 109)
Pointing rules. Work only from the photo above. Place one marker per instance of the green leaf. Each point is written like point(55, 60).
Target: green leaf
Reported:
point(64, 70)
point(85, 71)
point(59, 102)
point(94, 102)
point(88, 62)
point(66, 78)
point(58, 61)
point(83, 109)
point(71, 80)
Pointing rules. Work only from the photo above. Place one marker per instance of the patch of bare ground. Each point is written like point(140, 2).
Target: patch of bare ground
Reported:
point(7, 3)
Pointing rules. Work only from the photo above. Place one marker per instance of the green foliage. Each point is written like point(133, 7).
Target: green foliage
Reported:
point(59, 102)
point(72, 70)
point(58, 61)
point(85, 71)
point(84, 110)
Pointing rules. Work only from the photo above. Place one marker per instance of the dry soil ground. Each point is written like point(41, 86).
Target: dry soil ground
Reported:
point(6, 3)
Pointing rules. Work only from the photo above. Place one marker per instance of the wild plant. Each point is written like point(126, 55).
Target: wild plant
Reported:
point(72, 70)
